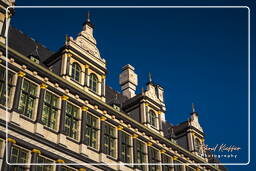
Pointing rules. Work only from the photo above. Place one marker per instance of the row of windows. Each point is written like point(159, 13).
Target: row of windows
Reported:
point(76, 72)
point(72, 124)
point(22, 155)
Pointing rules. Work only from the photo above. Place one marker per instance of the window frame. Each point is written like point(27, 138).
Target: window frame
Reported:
point(76, 69)
point(126, 146)
point(153, 157)
point(141, 150)
point(111, 151)
point(19, 167)
point(152, 118)
point(88, 139)
point(166, 159)
point(28, 96)
point(51, 109)
point(44, 166)
point(10, 85)
point(72, 118)
point(93, 83)
point(197, 145)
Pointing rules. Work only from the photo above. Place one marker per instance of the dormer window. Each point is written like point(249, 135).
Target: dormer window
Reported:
point(198, 146)
point(152, 118)
point(76, 72)
point(93, 82)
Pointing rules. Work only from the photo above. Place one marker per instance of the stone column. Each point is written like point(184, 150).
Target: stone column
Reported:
point(18, 90)
point(119, 157)
point(68, 65)
point(84, 113)
point(160, 121)
point(59, 163)
point(103, 82)
point(41, 103)
point(35, 153)
point(87, 76)
point(63, 113)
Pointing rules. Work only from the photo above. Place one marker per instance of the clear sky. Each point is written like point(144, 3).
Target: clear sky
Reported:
point(197, 55)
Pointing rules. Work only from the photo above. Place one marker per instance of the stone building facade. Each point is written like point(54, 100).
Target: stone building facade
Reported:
point(56, 110)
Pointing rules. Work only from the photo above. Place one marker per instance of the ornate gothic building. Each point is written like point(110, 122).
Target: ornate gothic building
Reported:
point(57, 113)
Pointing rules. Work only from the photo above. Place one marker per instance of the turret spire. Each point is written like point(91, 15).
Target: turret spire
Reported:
point(193, 108)
point(149, 77)
point(88, 17)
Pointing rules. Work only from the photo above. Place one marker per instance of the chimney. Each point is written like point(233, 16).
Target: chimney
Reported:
point(128, 80)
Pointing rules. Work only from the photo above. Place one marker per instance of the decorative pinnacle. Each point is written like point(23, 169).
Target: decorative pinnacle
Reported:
point(149, 77)
point(88, 16)
point(193, 108)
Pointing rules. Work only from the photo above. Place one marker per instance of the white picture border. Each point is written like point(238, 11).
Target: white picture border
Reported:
point(86, 164)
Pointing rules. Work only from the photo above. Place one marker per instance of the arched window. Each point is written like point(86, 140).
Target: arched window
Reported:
point(93, 82)
point(152, 118)
point(197, 145)
point(76, 71)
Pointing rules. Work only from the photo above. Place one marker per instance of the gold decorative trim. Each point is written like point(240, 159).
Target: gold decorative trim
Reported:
point(43, 85)
point(103, 76)
point(104, 112)
point(85, 108)
point(36, 151)
point(149, 144)
point(197, 169)
point(21, 74)
point(119, 127)
point(86, 66)
point(11, 140)
point(159, 112)
point(64, 98)
point(103, 118)
point(60, 161)
point(202, 139)
point(146, 104)
point(82, 169)
point(193, 134)
point(134, 136)
point(175, 158)
point(162, 151)
point(69, 55)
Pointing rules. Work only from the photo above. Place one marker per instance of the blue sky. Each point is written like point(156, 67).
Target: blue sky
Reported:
point(198, 55)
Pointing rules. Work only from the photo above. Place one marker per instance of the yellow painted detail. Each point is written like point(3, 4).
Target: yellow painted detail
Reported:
point(11, 140)
point(43, 85)
point(103, 118)
point(162, 151)
point(149, 144)
point(85, 108)
point(64, 97)
point(135, 136)
point(119, 128)
point(36, 151)
point(60, 161)
point(174, 157)
point(21, 74)
point(86, 66)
